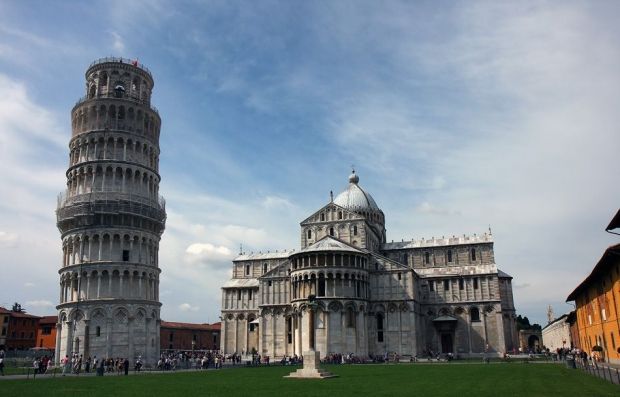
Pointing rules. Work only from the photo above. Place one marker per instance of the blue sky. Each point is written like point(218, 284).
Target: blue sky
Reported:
point(456, 117)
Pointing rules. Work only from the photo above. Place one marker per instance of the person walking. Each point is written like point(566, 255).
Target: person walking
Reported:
point(66, 363)
point(126, 366)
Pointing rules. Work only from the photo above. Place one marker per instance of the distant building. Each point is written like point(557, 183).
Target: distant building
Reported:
point(574, 329)
point(189, 336)
point(417, 297)
point(4, 323)
point(46, 332)
point(597, 300)
point(20, 329)
point(556, 334)
point(530, 340)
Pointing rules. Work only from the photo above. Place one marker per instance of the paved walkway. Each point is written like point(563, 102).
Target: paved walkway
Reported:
point(58, 374)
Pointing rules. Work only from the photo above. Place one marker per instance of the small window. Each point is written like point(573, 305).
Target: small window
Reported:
point(461, 284)
point(379, 327)
point(350, 318)
point(427, 257)
point(449, 256)
point(264, 268)
point(399, 276)
point(339, 214)
point(247, 270)
point(476, 283)
point(446, 285)
point(289, 330)
point(474, 313)
point(252, 327)
point(322, 217)
point(431, 285)
point(355, 230)
point(331, 231)
point(194, 337)
point(171, 336)
point(125, 255)
point(98, 331)
point(473, 254)
point(238, 294)
point(309, 233)
point(249, 294)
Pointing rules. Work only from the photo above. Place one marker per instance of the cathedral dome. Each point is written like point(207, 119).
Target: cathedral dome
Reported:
point(355, 198)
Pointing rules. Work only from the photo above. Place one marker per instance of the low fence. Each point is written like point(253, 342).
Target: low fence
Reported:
point(596, 369)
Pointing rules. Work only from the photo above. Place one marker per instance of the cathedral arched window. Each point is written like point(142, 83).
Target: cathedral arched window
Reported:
point(331, 231)
point(449, 255)
point(350, 318)
point(474, 314)
point(322, 216)
point(309, 233)
point(355, 230)
point(473, 254)
point(339, 214)
point(379, 327)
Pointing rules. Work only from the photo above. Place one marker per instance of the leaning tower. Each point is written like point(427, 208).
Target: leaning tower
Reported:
point(111, 218)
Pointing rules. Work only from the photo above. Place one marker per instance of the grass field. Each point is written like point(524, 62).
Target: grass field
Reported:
point(377, 380)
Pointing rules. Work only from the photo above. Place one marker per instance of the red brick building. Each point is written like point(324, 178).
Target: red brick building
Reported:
point(46, 332)
point(20, 329)
point(189, 336)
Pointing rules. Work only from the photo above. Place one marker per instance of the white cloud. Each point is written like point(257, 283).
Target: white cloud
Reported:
point(186, 307)
point(277, 203)
point(39, 304)
point(118, 43)
point(29, 284)
point(8, 239)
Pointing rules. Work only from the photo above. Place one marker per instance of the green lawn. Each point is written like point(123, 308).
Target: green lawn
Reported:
point(461, 380)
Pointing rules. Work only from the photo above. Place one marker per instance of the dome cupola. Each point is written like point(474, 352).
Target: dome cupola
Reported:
point(355, 198)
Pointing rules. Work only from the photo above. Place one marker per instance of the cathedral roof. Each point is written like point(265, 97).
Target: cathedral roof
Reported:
point(241, 283)
point(328, 243)
point(355, 198)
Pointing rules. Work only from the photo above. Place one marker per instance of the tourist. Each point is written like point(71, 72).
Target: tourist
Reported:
point(66, 365)
point(101, 367)
point(2, 363)
point(50, 366)
point(35, 365)
point(126, 366)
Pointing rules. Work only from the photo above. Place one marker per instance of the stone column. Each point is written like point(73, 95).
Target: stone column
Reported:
point(58, 340)
point(223, 338)
point(311, 341)
point(69, 341)
point(131, 354)
point(298, 348)
point(326, 315)
point(235, 344)
point(86, 339)
point(108, 347)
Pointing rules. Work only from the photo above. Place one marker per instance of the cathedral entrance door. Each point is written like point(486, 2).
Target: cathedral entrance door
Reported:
point(446, 343)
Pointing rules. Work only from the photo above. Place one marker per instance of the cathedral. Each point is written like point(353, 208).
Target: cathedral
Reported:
point(410, 298)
